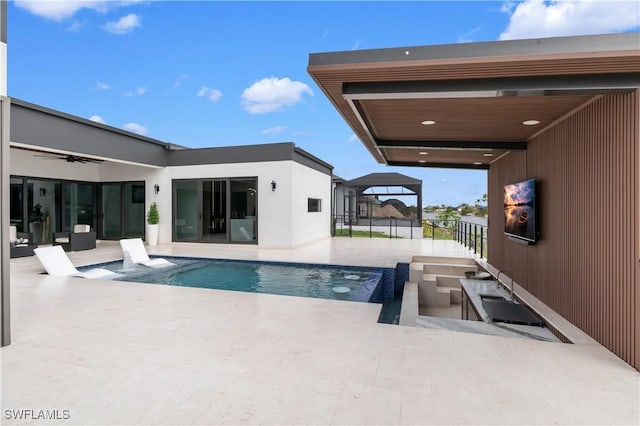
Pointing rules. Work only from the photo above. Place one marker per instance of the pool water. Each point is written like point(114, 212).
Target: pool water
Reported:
point(319, 281)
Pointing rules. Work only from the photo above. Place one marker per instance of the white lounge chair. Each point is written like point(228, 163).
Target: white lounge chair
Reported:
point(134, 248)
point(56, 262)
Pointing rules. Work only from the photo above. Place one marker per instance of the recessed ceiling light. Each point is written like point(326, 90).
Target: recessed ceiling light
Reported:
point(531, 122)
point(423, 153)
point(428, 122)
point(477, 163)
point(487, 154)
point(422, 161)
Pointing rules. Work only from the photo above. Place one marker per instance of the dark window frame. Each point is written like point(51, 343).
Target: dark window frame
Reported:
point(314, 205)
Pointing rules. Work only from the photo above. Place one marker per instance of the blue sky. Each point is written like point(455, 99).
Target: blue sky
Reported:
point(208, 73)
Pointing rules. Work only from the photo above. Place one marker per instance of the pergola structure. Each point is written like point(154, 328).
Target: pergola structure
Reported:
point(389, 181)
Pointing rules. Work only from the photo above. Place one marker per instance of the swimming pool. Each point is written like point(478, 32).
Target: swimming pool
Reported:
point(307, 280)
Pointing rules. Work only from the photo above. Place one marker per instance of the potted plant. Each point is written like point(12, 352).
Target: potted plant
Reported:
point(153, 218)
point(36, 218)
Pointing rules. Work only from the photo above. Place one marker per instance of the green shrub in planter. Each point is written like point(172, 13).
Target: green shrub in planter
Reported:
point(152, 215)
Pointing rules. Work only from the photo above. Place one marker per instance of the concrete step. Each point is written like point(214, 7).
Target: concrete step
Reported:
point(415, 272)
point(427, 293)
point(447, 269)
point(452, 281)
point(443, 297)
point(444, 259)
point(456, 296)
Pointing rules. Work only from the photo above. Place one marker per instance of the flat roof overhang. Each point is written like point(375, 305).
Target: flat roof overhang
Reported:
point(50, 134)
point(478, 95)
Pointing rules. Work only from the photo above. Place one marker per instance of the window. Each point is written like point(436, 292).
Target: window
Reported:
point(314, 204)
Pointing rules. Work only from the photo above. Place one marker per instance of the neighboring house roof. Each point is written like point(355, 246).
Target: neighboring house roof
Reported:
point(384, 179)
point(368, 199)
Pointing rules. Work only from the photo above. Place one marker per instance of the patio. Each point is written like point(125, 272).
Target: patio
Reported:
point(126, 353)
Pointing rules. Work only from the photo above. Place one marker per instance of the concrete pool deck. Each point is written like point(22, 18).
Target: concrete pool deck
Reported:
point(127, 353)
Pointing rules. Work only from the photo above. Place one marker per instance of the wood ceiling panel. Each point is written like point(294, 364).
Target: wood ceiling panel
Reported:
point(404, 155)
point(482, 119)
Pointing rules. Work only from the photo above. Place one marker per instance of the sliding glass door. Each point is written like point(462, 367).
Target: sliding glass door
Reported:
point(43, 207)
point(122, 210)
point(186, 210)
point(77, 205)
point(243, 205)
point(134, 212)
point(16, 204)
point(215, 210)
point(111, 211)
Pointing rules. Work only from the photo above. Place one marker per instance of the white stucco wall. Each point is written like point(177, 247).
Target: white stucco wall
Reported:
point(274, 215)
point(308, 227)
point(283, 220)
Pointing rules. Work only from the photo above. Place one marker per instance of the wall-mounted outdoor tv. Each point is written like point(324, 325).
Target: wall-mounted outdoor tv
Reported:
point(520, 212)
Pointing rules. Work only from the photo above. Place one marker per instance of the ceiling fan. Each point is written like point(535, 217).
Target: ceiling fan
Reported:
point(68, 158)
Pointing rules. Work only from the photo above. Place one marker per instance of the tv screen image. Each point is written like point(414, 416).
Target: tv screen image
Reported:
point(520, 210)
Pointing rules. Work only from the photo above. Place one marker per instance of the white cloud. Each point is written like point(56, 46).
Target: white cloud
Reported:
point(97, 119)
point(139, 91)
point(275, 130)
point(58, 10)
point(213, 95)
point(466, 37)
point(136, 128)
point(273, 94)
point(539, 18)
point(356, 45)
point(181, 79)
point(124, 25)
point(102, 86)
point(75, 26)
point(354, 138)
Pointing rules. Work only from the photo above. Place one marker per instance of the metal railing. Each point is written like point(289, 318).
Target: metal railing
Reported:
point(471, 235)
point(379, 227)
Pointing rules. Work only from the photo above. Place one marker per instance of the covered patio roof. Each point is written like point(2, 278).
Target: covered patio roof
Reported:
point(466, 105)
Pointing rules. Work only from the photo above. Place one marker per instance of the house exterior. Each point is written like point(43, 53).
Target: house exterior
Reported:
point(78, 171)
point(562, 111)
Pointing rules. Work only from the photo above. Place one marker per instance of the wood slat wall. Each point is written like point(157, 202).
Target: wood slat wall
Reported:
point(586, 265)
